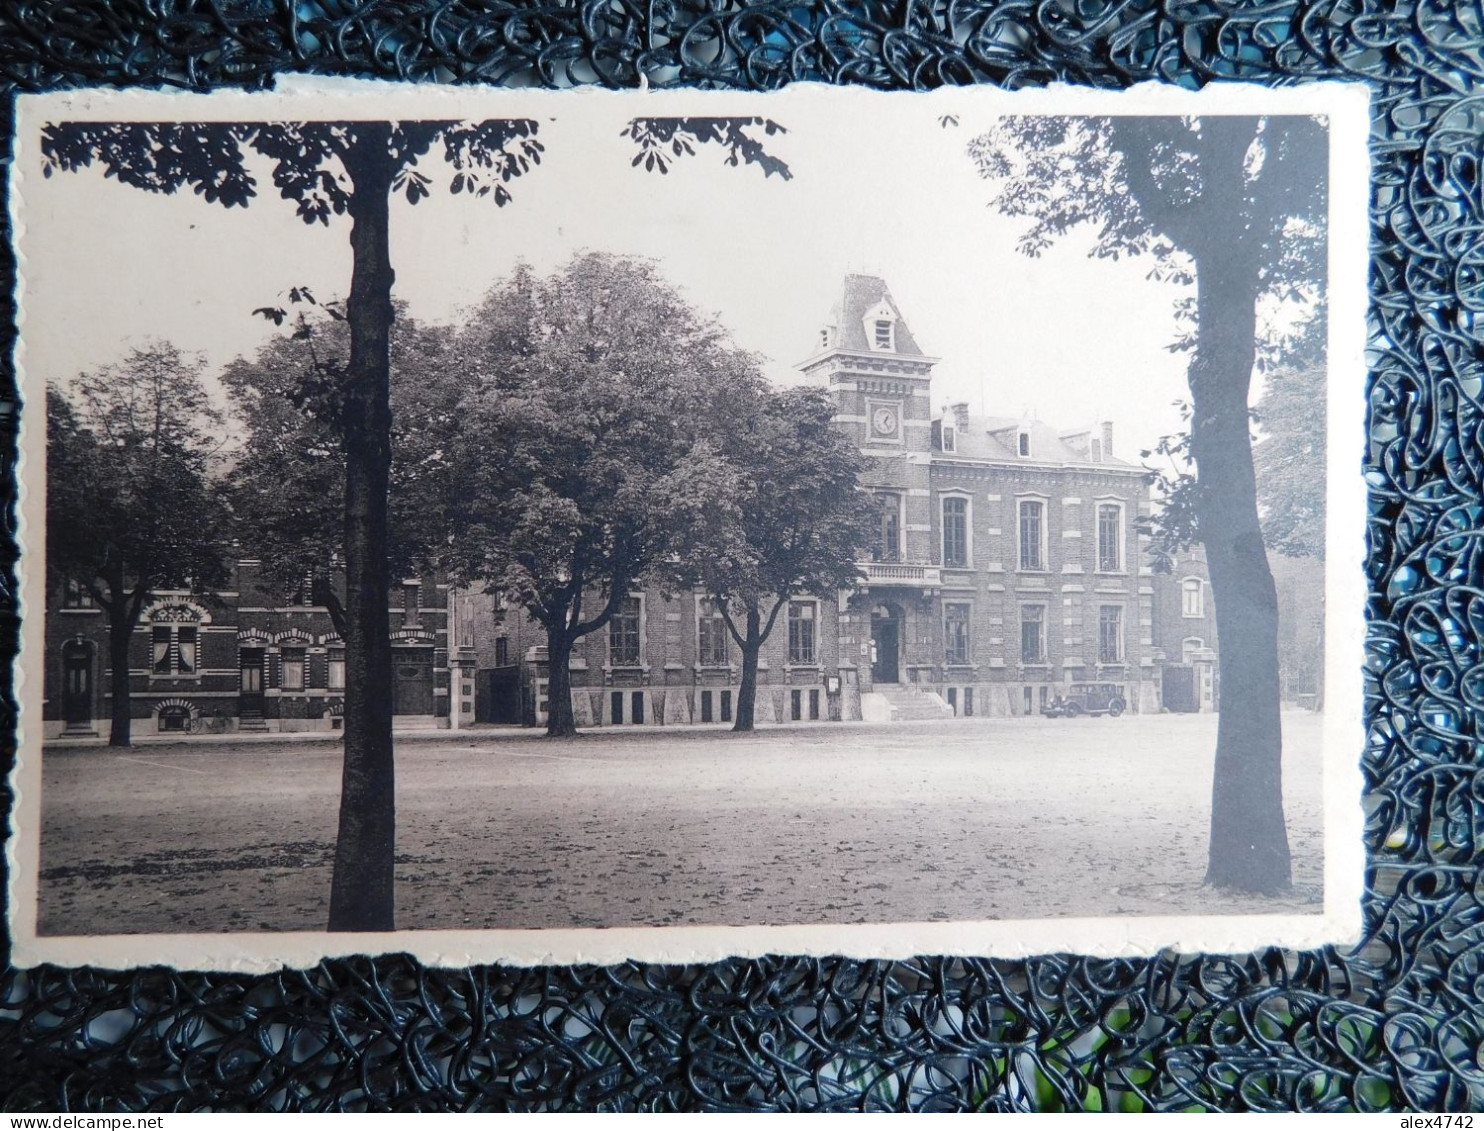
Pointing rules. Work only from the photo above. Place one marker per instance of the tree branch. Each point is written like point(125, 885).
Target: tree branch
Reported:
point(1138, 141)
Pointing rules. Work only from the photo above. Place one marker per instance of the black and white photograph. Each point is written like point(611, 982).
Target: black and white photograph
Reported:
point(567, 527)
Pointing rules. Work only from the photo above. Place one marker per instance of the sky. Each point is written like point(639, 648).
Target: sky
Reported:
point(1065, 337)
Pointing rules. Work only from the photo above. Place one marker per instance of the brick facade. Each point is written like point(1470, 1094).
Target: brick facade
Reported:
point(1007, 566)
point(237, 659)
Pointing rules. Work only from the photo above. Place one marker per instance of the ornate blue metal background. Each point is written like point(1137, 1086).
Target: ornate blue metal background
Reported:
point(1395, 1023)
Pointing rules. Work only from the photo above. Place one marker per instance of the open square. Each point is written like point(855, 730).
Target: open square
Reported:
point(960, 820)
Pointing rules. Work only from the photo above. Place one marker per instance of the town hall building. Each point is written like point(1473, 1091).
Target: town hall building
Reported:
point(1006, 565)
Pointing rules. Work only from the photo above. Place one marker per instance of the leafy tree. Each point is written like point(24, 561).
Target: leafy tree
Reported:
point(353, 169)
point(1236, 206)
point(580, 444)
point(1290, 453)
point(288, 483)
point(796, 520)
point(130, 507)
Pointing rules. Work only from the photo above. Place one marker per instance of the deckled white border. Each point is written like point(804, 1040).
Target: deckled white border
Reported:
point(1345, 586)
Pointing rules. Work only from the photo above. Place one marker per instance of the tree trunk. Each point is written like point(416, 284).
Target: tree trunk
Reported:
point(560, 722)
point(752, 647)
point(120, 628)
point(1249, 842)
point(362, 893)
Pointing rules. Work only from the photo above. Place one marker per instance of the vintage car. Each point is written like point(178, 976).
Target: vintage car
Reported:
point(1087, 699)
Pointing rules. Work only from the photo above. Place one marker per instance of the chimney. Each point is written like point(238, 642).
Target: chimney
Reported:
point(960, 415)
point(1107, 438)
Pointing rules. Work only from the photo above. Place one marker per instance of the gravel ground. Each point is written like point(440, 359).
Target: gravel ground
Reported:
point(964, 819)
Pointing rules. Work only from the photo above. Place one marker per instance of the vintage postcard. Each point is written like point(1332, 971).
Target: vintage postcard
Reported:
point(579, 526)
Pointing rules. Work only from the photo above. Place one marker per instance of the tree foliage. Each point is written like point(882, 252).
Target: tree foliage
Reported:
point(130, 504)
point(794, 521)
point(663, 140)
point(210, 158)
point(579, 443)
point(1290, 452)
point(288, 482)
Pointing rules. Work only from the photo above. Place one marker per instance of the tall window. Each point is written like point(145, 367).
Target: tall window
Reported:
point(291, 665)
point(955, 531)
point(409, 603)
point(1192, 597)
point(956, 633)
point(173, 649)
point(502, 652)
point(801, 632)
point(888, 546)
point(1110, 634)
point(337, 669)
point(1023, 444)
point(1032, 534)
point(1033, 634)
point(711, 632)
point(623, 635)
point(883, 333)
point(1110, 538)
point(949, 432)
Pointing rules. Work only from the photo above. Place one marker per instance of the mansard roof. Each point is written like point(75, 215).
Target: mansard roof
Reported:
point(858, 295)
point(995, 438)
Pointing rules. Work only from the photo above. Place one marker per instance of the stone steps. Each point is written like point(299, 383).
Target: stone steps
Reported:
point(909, 705)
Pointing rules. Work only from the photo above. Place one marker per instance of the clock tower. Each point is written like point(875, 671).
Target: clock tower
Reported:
point(881, 382)
point(875, 370)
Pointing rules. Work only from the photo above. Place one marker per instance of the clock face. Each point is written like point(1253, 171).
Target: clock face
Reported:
point(884, 420)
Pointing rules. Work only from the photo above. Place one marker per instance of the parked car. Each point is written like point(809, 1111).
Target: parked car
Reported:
point(1087, 699)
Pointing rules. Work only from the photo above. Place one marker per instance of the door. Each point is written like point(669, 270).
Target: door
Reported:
point(250, 688)
point(1179, 689)
point(77, 684)
point(1206, 681)
point(412, 681)
point(498, 700)
point(886, 639)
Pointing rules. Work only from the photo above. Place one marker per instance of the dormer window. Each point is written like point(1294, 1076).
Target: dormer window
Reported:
point(1023, 444)
point(1096, 451)
point(880, 325)
point(950, 438)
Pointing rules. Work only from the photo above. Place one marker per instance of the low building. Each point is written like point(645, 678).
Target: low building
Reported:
point(237, 659)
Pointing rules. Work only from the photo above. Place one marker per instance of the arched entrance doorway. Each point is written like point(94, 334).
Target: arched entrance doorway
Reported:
point(886, 643)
